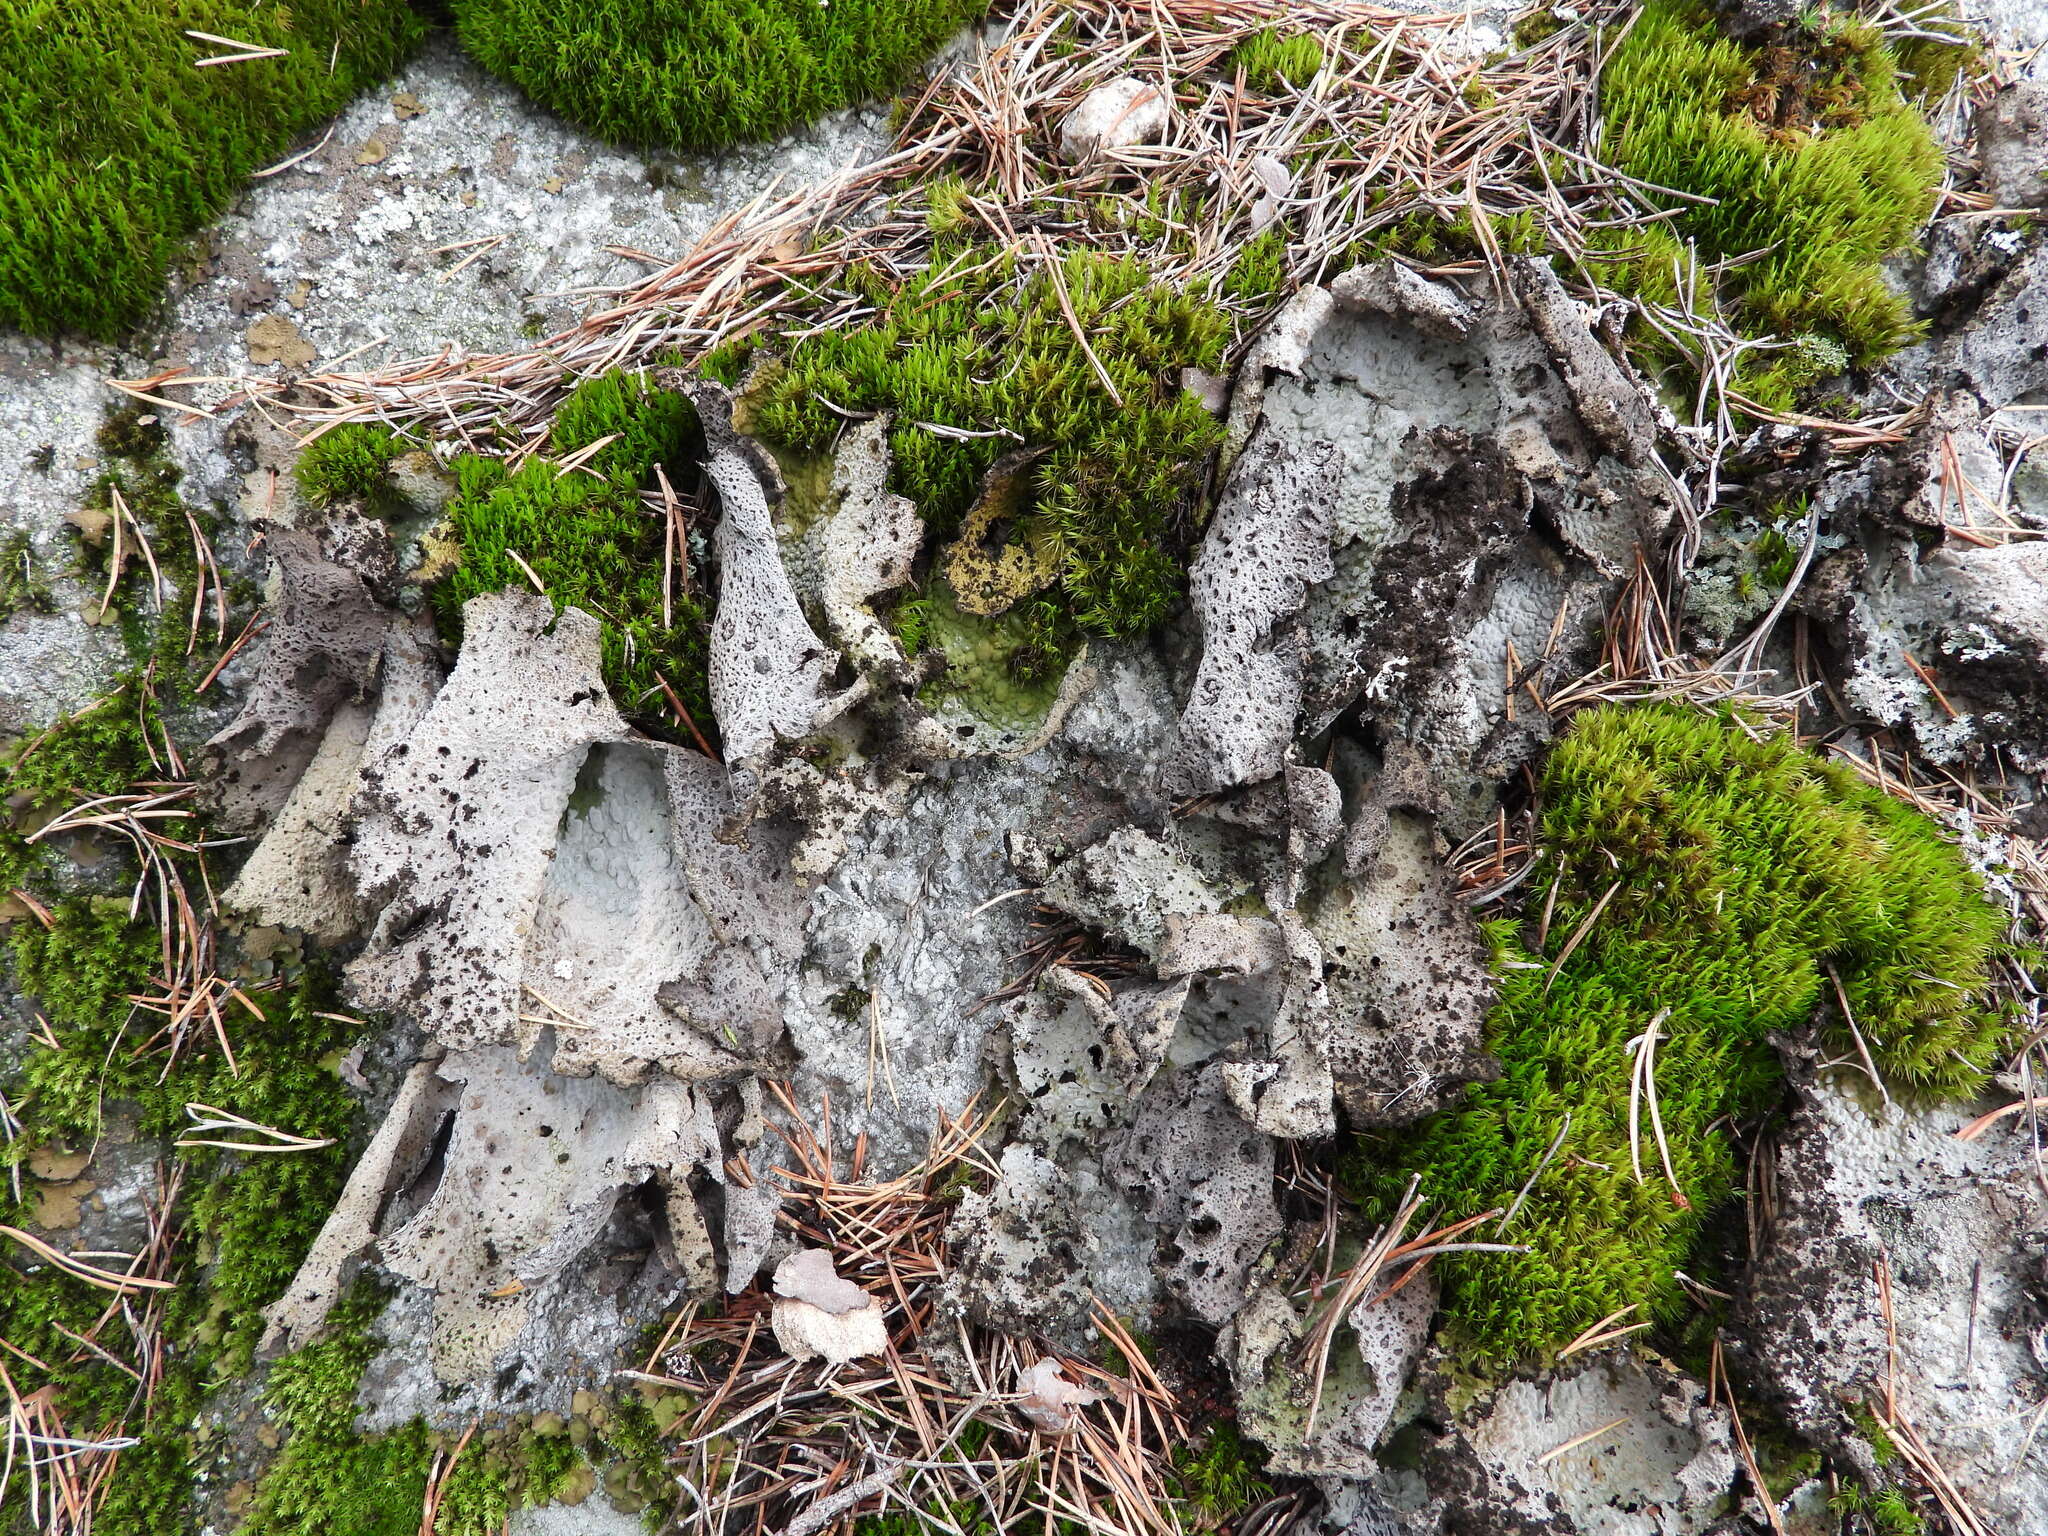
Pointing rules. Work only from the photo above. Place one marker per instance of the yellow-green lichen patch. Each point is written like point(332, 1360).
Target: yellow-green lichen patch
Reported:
point(990, 565)
point(998, 671)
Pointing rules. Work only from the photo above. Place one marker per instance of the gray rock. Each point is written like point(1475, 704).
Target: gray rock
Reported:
point(2012, 144)
point(1865, 1193)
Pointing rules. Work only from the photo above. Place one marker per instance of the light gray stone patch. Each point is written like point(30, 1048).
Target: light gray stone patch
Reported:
point(769, 670)
point(534, 1168)
point(870, 540)
point(1662, 1464)
point(2012, 145)
point(325, 642)
point(614, 925)
point(1267, 543)
point(1128, 886)
point(1203, 1178)
point(1977, 620)
point(298, 876)
point(1959, 1226)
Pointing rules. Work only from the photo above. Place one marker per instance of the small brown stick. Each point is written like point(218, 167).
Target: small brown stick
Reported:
point(689, 721)
point(250, 631)
point(1717, 1381)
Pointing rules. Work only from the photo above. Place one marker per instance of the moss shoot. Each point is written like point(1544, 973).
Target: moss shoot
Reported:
point(1812, 153)
point(704, 74)
point(114, 149)
point(595, 544)
point(1719, 887)
point(1098, 521)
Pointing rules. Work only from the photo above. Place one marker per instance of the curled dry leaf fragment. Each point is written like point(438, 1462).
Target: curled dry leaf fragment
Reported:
point(819, 1315)
point(1050, 1400)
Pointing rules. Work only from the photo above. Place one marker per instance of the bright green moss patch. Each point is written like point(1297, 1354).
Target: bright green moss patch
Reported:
point(973, 344)
point(704, 74)
point(1718, 886)
point(1812, 153)
point(114, 148)
point(350, 463)
point(595, 544)
point(1272, 59)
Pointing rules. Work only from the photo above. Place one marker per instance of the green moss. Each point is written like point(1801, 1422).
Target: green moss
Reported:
point(1885, 1512)
point(114, 149)
point(703, 74)
point(971, 343)
point(23, 587)
point(1257, 277)
point(1215, 1485)
point(1272, 59)
point(1810, 151)
point(1718, 884)
point(593, 543)
point(350, 463)
point(328, 1480)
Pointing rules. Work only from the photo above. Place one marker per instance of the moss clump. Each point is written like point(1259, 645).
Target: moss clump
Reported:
point(328, 1480)
point(1273, 60)
point(114, 148)
point(594, 544)
point(1811, 152)
point(1718, 885)
point(703, 74)
point(350, 463)
point(972, 343)
point(23, 588)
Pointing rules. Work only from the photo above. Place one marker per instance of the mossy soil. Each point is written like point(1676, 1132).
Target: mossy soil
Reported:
point(95, 1076)
point(704, 74)
point(117, 147)
point(980, 363)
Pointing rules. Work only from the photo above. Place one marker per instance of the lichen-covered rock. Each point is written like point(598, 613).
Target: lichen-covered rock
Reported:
point(482, 1240)
point(1129, 886)
point(1868, 1197)
point(770, 673)
point(459, 821)
point(1273, 1365)
point(1458, 456)
point(1205, 1179)
point(1969, 621)
point(2012, 145)
point(1411, 976)
point(870, 541)
point(1652, 1458)
point(298, 875)
point(1268, 541)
